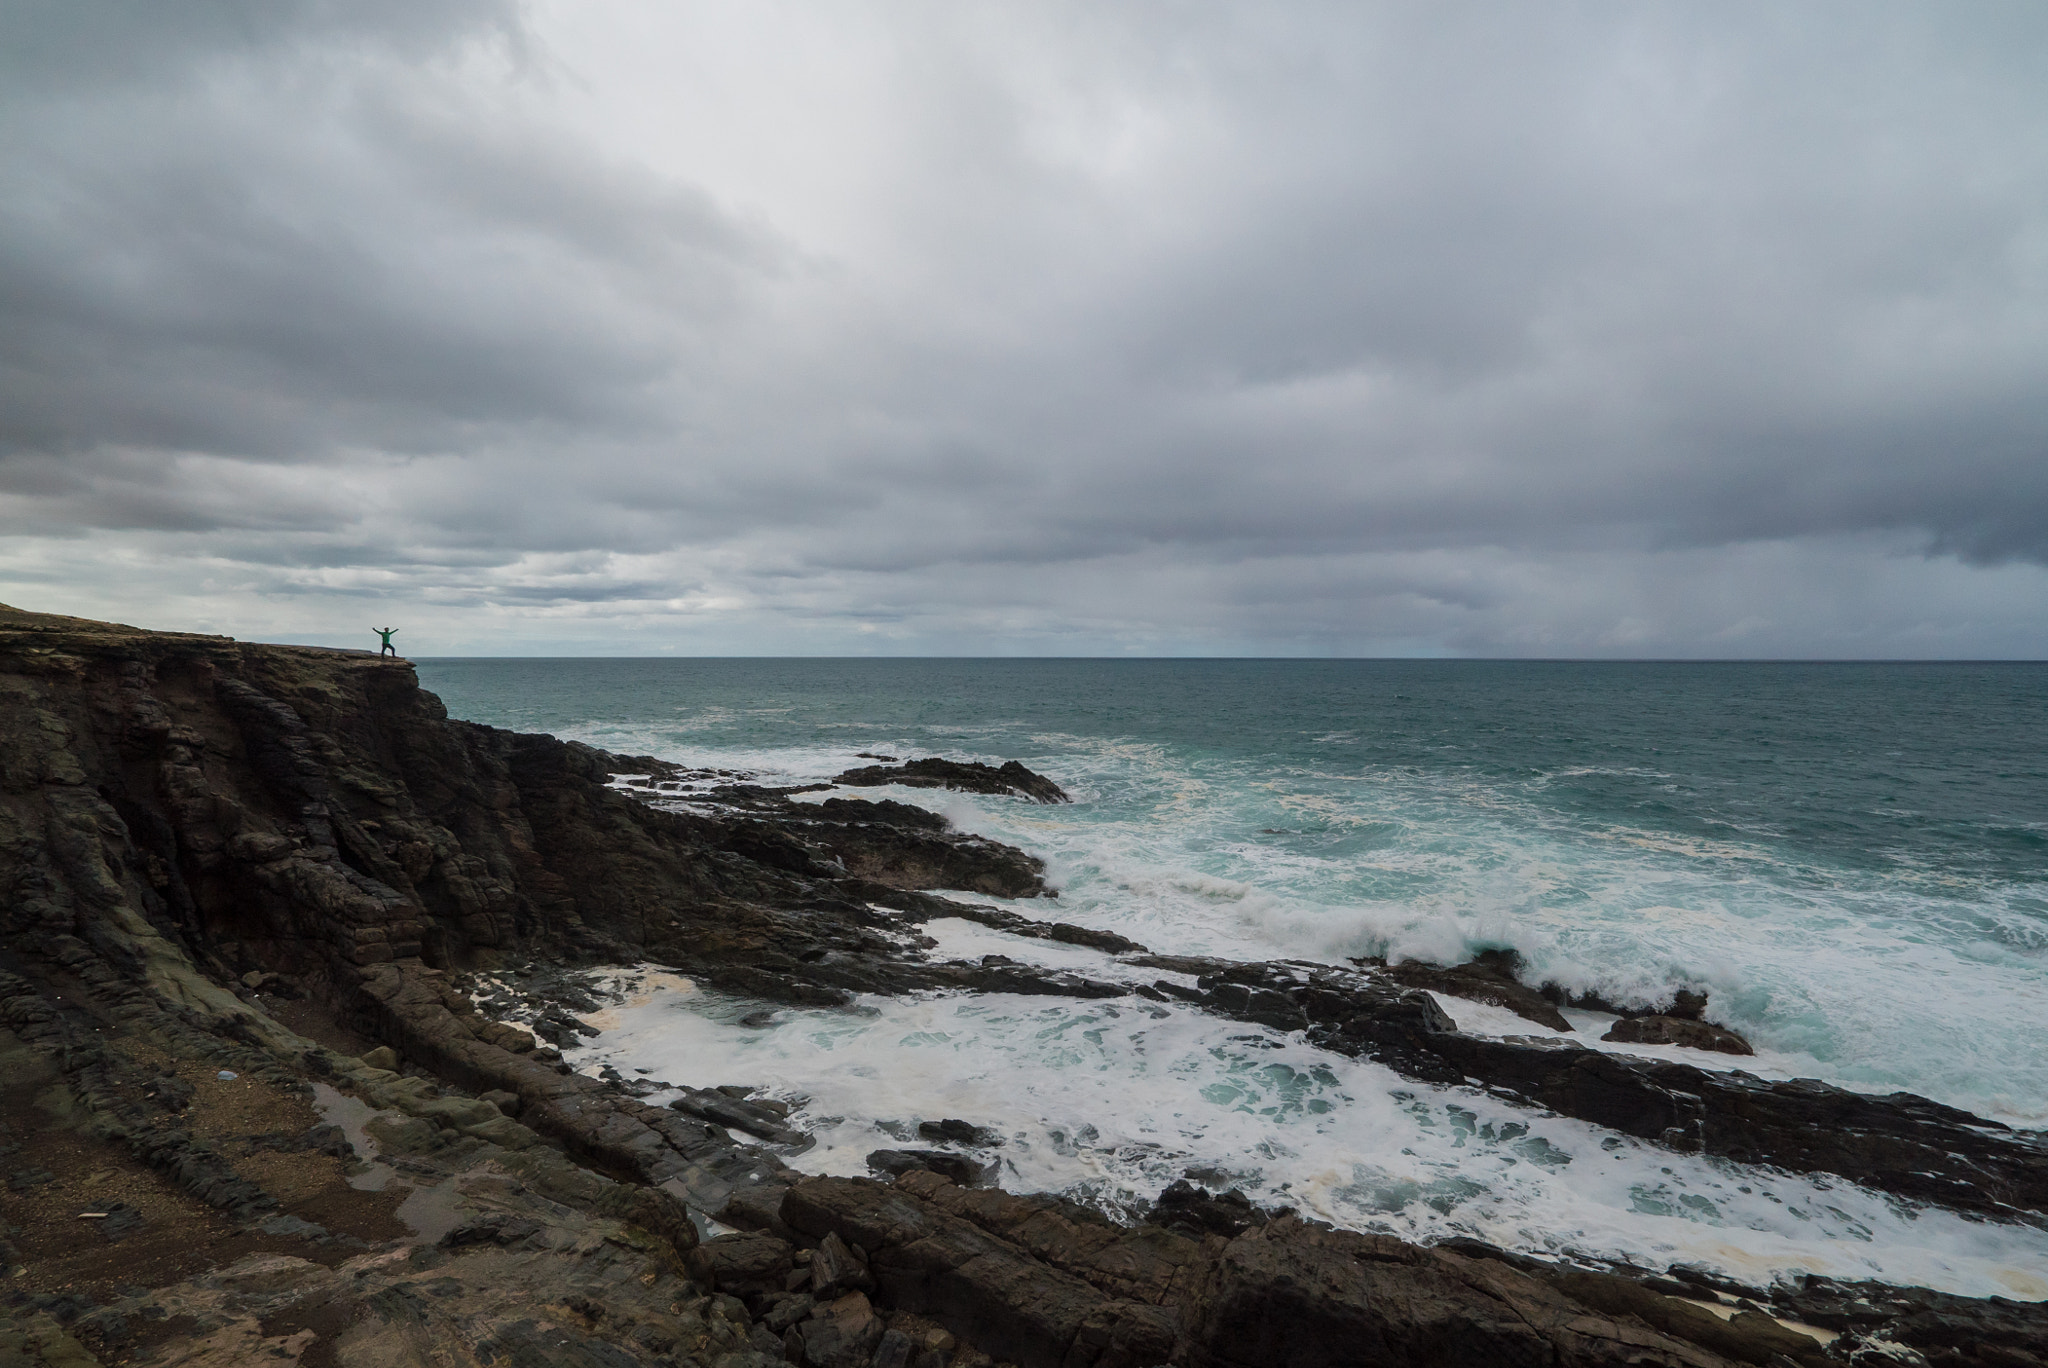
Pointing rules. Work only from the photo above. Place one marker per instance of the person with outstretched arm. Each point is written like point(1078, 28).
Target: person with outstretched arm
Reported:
point(386, 633)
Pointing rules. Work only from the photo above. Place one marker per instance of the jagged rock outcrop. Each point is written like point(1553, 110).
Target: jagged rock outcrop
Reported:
point(1490, 977)
point(1008, 779)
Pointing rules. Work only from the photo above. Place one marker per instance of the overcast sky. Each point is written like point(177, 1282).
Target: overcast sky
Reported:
point(652, 326)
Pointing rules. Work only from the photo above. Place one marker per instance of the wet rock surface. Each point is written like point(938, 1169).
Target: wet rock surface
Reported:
point(1667, 1030)
point(200, 839)
point(1009, 778)
point(1490, 977)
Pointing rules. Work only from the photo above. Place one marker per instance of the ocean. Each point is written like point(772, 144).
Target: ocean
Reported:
point(1852, 859)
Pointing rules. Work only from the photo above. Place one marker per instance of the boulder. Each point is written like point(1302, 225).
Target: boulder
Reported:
point(1191, 1211)
point(957, 1168)
point(742, 1262)
point(959, 1133)
point(506, 1102)
point(1491, 977)
point(837, 1270)
point(1671, 1030)
point(840, 1334)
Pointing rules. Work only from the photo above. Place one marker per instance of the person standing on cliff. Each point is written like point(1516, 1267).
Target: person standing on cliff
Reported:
point(386, 633)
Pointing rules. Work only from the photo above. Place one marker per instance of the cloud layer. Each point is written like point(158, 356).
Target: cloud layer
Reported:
point(1593, 329)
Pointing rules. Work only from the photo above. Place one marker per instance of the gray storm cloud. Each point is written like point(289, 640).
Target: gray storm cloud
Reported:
point(1608, 329)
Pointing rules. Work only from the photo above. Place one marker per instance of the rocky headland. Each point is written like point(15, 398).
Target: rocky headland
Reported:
point(268, 917)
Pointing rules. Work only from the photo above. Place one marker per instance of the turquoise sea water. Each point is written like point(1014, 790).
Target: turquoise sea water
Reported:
point(1849, 857)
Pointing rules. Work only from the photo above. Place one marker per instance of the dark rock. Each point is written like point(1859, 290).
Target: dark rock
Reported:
point(835, 1270)
point(966, 776)
point(1956, 1332)
point(1686, 1004)
point(1491, 977)
point(984, 1288)
point(123, 1220)
point(840, 1334)
point(756, 1206)
point(913, 858)
point(1901, 1144)
point(737, 1264)
point(326, 1139)
point(1016, 924)
point(1291, 1293)
point(768, 1348)
point(168, 1093)
point(1748, 1338)
point(894, 1351)
point(1012, 1276)
point(766, 1120)
point(1189, 1210)
point(296, 1228)
point(881, 811)
point(506, 1102)
point(1671, 1030)
point(496, 1229)
point(787, 1311)
point(276, 985)
point(668, 1216)
point(957, 1168)
point(563, 1031)
point(959, 1132)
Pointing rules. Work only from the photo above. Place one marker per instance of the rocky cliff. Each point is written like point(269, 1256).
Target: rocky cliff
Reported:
point(252, 1109)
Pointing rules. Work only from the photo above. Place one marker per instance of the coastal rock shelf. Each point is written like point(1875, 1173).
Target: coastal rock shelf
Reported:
point(270, 915)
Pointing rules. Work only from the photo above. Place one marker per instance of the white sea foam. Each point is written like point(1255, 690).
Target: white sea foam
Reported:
point(1880, 984)
point(1110, 1101)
